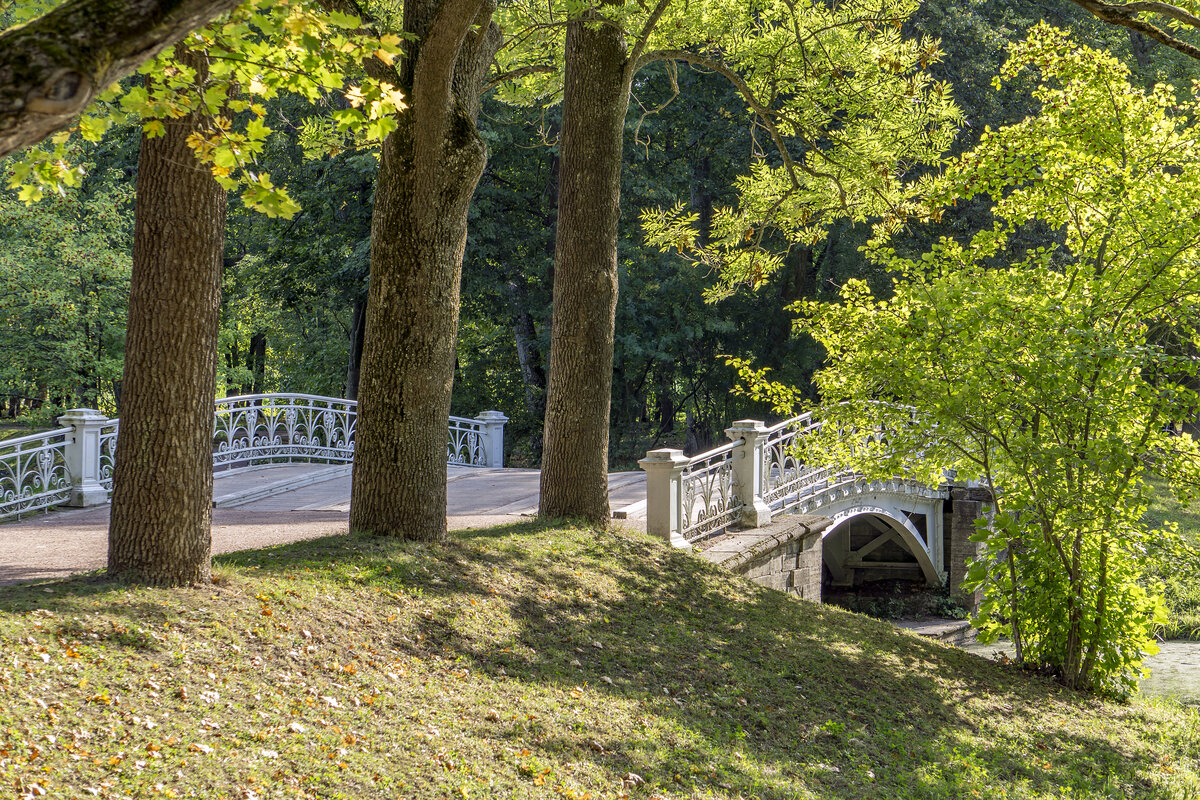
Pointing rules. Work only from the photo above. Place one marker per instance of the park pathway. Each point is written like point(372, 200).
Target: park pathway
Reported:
point(264, 507)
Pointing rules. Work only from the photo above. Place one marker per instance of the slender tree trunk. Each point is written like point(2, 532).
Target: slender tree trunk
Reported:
point(595, 99)
point(256, 360)
point(233, 360)
point(358, 327)
point(162, 492)
point(429, 169)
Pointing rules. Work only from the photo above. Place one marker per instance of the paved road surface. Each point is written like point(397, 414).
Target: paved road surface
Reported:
point(257, 509)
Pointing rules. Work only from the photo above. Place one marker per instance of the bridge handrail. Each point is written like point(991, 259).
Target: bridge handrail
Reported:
point(756, 475)
point(75, 464)
point(34, 472)
point(709, 499)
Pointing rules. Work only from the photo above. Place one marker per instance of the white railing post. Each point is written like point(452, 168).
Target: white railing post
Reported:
point(492, 424)
point(664, 495)
point(83, 456)
point(748, 480)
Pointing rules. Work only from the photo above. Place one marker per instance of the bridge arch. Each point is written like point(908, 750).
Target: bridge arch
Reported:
point(896, 522)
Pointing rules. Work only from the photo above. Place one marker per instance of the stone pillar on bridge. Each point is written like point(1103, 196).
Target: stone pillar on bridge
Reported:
point(83, 456)
point(664, 495)
point(492, 426)
point(748, 472)
point(967, 505)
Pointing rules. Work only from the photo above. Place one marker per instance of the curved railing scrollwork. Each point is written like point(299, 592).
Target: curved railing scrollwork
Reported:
point(33, 472)
point(710, 502)
point(253, 430)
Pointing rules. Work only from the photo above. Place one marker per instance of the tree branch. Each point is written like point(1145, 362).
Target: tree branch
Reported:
point(760, 111)
point(1126, 15)
point(53, 67)
point(639, 46)
point(516, 74)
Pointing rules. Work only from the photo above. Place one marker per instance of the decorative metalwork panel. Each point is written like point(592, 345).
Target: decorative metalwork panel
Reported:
point(709, 502)
point(283, 428)
point(33, 472)
point(108, 453)
point(466, 446)
point(786, 482)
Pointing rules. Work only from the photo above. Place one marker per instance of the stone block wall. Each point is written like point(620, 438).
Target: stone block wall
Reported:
point(967, 505)
point(785, 555)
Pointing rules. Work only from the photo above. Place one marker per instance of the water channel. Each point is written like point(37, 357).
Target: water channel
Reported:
point(1174, 670)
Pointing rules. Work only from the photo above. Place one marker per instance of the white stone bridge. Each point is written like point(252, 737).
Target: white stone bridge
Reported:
point(73, 465)
point(753, 506)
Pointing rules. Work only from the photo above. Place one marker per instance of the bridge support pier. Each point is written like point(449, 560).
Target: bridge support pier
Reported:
point(967, 505)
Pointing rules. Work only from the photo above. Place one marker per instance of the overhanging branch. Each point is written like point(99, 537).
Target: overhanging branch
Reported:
point(54, 66)
point(1126, 15)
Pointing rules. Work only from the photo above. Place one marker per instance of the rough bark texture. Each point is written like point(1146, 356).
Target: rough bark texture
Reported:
point(1128, 15)
point(51, 68)
point(430, 166)
point(595, 99)
point(162, 494)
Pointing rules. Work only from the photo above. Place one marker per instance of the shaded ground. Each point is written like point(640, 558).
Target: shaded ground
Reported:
point(532, 661)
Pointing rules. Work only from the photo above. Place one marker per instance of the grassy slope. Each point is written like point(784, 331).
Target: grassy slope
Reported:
point(531, 662)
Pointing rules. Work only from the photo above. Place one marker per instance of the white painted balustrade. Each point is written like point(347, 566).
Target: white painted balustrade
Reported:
point(73, 465)
point(743, 483)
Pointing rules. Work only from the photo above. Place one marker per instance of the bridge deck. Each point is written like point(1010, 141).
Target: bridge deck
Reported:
point(254, 509)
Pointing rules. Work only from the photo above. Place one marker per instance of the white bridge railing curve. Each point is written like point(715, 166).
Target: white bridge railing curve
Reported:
point(746, 482)
point(73, 465)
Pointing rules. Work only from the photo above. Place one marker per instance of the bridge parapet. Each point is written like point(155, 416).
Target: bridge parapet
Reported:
point(745, 483)
point(73, 465)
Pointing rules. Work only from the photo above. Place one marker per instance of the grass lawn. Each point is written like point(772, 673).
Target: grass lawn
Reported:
point(531, 661)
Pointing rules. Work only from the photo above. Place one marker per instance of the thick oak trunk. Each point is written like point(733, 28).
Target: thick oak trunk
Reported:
point(430, 166)
point(595, 98)
point(162, 494)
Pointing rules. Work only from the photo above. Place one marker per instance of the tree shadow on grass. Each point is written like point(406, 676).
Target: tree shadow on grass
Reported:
point(713, 683)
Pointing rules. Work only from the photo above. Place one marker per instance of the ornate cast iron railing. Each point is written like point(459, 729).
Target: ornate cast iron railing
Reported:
point(34, 473)
point(757, 475)
point(258, 429)
point(787, 482)
point(108, 453)
point(710, 502)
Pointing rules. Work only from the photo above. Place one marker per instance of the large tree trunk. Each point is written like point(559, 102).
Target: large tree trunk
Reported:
point(430, 166)
point(162, 489)
point(595, 99)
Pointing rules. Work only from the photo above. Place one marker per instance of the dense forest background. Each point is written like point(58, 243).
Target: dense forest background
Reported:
point(295, 290)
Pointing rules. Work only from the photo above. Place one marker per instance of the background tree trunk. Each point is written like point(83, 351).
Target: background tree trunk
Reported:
point(595, 98)
point(430, 166)
point(162, 493)
point(358, 325)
